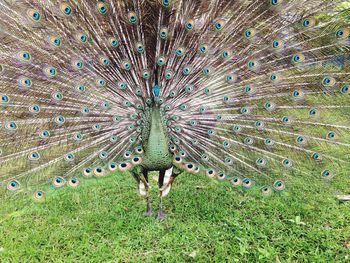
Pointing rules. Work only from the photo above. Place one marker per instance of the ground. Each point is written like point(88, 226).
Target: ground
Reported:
point(208, 221)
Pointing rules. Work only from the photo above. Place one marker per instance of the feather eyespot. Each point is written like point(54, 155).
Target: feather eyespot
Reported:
point(165, 3)
point(34, 109)
point(103, 155)
point(73, 182)
point(39, 195)
point(124, 166)
point(58, 182)
point(102, 8)
point(342, 34)
point(210, 173)
point(113, 138)
point(189, 24)
point(180, 51)
point(113, 42)
point(112, 167)
point(327, 174)
point(344, 89)
point(269, 142)
point(11, 126)
point(126, 64)
point(69, 157)
point(298, 58)
point(247, 183)
point(34, 14)
point(163, 33)
point(66, 9)
point(132, 17)
point(5, 99)
point(219, 25)
point(24, 56)
point(13, 186)
point(60, 120)
point(161, 60)
point(55, 41)
point(82, 37)
point(169, 74)
point(236, 181)
point(279, 185)
point(316, 156)
point(87, 172)
point(140, 47)
point(99, 171)
point(265, 190)
point(203, 48)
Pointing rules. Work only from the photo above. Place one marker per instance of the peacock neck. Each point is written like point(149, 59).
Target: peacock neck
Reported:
point(156, 144)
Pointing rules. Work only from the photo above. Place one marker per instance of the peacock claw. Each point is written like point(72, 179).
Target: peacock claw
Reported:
point(148, 213)
point(161, 215)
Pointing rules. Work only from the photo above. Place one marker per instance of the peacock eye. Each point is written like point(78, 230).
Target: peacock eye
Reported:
point(140, 47)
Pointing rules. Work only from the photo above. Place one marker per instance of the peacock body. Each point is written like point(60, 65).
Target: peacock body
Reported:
point(251, 92)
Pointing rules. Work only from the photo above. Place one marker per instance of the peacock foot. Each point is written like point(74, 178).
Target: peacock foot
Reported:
point(148, 213)
point(161, 215)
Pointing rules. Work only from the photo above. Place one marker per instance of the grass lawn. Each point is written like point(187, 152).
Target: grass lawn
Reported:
point(207, 221)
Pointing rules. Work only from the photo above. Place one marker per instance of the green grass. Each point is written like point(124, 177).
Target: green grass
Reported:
point(207, 221)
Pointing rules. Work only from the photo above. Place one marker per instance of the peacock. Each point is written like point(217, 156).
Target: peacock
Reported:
point(250, 92)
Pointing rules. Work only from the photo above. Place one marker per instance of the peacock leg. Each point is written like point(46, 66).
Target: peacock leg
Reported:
point(144, 180)
point(141, 177)
point(161, 212)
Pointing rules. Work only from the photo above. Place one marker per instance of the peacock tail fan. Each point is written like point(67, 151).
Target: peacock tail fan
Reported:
point(254, 93)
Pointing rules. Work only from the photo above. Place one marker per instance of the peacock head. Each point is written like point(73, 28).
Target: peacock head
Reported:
point(156, 93)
